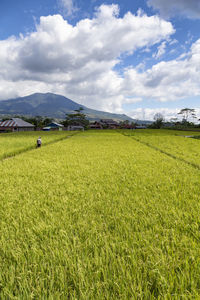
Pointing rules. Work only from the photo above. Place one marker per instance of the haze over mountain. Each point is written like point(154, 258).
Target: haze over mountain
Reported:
point(52, 105)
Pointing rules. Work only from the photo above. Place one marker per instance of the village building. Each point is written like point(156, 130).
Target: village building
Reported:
point(15, 125)
point(95, 125)
point(53, 126)
point(104, 124)
point(141, 127)
point(75, 127)
point(109, 123)
point(127, 126)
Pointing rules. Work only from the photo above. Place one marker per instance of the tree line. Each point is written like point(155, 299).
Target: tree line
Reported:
point(78, 118)
point(188, 119)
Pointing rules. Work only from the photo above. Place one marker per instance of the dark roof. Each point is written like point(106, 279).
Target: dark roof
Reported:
point(54, 124)
point(15, 122)
point(108, 121)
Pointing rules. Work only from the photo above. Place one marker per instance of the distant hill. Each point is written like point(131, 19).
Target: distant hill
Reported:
point(53, 106)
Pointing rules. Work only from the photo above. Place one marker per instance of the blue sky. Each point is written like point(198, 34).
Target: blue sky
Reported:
point(136, 57)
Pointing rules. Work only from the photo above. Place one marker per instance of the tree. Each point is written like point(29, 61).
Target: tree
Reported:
point(76, 119)
point(158, 116)
point(38, 121)
point(187, 113)
point(159, 119)
point(124, 124)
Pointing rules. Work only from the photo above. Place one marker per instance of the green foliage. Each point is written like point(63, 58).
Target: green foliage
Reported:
point(158, 123)
point(186, 114)
point(101, 216)
point(126, 123)
point(76, 119)
point(38, 121)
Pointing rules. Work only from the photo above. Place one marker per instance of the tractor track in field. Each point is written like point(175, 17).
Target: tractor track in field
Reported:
point(164, 152)
point(27, 149)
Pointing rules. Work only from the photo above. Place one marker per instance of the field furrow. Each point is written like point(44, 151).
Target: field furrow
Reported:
point(12, 144)
point(173, 143)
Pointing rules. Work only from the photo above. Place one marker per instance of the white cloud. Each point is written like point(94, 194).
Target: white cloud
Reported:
point(173, 42)
point(167, 81)
point(188, 8)
point(149, 113)
point(67, 7)
point(78, 61)
point(161, 51)
point(133, 100)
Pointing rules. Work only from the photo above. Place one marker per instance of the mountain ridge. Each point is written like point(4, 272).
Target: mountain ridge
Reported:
point(53, 106)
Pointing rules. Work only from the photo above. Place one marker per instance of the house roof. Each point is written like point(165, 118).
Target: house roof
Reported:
point(15, 122)
point(54, 124)
point(75, 126)
point(108, 121)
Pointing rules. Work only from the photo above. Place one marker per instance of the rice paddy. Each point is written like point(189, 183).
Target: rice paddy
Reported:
point(102, 215)
point(19, 142)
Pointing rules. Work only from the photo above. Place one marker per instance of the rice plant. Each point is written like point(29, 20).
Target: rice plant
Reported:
point(99, 216)
point(19, 142)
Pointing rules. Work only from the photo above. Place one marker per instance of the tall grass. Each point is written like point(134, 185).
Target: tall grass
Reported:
point(19, 142)
point(174, 143)
point(99, 216)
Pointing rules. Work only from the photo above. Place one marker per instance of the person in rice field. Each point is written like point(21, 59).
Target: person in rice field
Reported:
point(39, 142)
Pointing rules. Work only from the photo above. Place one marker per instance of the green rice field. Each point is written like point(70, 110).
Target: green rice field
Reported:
point(15, 143)
point(100, 215)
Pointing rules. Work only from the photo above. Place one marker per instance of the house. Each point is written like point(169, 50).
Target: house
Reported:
point(53, 126)
point(96, 125)
point(127, 126)
point(46, 128)
point(15, 125)
point(109, 123)
point(75, 127)
point(141, 127)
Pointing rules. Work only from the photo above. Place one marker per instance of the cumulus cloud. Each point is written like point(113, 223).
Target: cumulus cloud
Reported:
point(188, 8)
point(165, 81)
point(79, 61)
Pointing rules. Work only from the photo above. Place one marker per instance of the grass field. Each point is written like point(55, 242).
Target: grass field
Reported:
point(15, 143)
point(101, 215)
point(175, 143)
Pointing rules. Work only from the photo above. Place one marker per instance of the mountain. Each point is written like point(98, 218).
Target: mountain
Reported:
point(53, 106)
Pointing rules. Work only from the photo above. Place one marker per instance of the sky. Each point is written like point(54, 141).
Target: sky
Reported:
point(138, 57)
